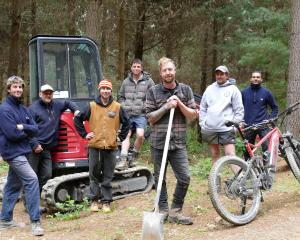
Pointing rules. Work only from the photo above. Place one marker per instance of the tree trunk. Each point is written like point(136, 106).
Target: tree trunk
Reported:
point(103, 41)
point(33, 18)
point(294, 70)
point(204, 60)
point(214, 49)
point(140, 26)
point(92, 19)
point(121, 42)
point(25, 69)
point(71, 21)
point(14, 38)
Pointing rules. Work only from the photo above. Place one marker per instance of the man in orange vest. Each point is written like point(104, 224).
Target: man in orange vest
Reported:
point(105, 116)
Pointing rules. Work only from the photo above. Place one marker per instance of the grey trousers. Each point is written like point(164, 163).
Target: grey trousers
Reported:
point(101, 171)
point(180, 165)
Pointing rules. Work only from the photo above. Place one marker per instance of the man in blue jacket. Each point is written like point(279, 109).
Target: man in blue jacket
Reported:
point(16, 129)
point(46, 112)
point(256, 101)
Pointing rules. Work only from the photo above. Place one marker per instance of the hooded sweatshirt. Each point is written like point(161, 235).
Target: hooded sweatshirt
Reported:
point(101, 128)
point(220, 103)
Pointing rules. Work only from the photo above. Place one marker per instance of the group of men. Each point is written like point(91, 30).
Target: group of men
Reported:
point(26, 137)
point(33, 131)
point(222, 101)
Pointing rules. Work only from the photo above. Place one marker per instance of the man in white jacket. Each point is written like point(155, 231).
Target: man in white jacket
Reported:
point(221, 101)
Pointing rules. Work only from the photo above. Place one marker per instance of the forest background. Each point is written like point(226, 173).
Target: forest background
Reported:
point(245, 35)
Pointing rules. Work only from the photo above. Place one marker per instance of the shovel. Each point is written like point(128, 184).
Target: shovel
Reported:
point(152, 228)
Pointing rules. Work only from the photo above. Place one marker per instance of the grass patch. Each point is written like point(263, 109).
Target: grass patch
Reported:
point(201, 168)
point(69, 210)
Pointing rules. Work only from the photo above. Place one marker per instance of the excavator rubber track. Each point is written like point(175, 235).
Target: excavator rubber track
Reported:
point(129, 182)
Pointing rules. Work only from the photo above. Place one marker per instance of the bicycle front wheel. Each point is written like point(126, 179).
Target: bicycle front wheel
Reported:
point(234, 190)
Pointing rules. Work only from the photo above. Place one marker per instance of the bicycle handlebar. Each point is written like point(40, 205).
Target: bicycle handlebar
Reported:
point(265, 123)
point(289, 110)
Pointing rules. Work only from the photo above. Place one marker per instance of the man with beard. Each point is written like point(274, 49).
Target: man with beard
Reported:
point(16, 128)
point(257, 101)
point(160, 99)
point(105, 116)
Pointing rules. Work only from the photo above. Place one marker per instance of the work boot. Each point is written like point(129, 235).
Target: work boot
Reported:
point(10, 224)
point(94, 206)
point(134, 156)
point(176, 216)
point(106, 208)
point(165, 213)
point(122, 163)
point(36, 228)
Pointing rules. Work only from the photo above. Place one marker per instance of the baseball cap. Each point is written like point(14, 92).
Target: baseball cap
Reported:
point(46, 87)
point(222, 68)
point(105, 83)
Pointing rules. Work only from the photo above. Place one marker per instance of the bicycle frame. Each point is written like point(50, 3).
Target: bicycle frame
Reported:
point(273, 137)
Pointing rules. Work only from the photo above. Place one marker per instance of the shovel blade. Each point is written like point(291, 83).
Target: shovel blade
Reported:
point(152, 228)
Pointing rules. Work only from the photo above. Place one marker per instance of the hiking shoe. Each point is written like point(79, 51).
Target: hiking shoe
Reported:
point(165, 213)
point(122, 163)
point(106, 208)
point(133, 159)
point(176, 216)
point(10, 224)
point(36, 229)
point(94, 206)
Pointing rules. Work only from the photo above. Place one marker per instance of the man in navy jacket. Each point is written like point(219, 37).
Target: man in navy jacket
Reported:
point(257, 100)
point(16, 129)
point(46, 112)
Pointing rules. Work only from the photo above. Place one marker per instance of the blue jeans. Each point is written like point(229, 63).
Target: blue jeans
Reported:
point(20, 174)
point(180, 165)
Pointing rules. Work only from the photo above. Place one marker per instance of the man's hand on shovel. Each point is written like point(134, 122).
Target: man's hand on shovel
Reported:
point(172, 102)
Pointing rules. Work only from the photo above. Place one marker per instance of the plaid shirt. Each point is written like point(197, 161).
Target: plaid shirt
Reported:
point(156, 97)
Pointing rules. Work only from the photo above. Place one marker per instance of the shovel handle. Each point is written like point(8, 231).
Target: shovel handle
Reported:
point(164, 160)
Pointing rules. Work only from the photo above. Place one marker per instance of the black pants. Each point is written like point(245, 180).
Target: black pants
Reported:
point(41, 163)
point(101, 170)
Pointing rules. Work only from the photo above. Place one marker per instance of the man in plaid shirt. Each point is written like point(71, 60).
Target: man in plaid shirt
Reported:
point(159, 100)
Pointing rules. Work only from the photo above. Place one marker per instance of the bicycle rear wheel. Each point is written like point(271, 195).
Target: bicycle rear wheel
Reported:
point(294, 162)
point(234, 193)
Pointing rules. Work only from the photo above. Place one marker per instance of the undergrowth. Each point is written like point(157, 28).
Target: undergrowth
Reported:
point(70, 210)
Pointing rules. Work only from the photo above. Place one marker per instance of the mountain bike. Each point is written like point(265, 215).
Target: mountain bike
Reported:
point(235, 184)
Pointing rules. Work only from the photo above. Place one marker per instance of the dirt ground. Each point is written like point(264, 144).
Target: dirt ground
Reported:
point(278, 218)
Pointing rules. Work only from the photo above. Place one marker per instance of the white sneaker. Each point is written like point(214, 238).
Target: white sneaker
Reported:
point(36, 229)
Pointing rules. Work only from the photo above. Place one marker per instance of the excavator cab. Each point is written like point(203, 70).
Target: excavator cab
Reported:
point(71, 65)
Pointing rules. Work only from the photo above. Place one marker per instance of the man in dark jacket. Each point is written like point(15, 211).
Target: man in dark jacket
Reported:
point(132, 96)
point(46, 112)
point(256, 100)
point(105, 117)
point(16, 129)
